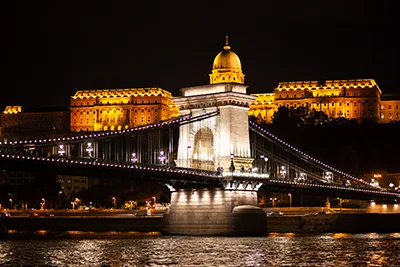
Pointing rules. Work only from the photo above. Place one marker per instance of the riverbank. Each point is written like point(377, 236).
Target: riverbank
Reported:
point(128, 223)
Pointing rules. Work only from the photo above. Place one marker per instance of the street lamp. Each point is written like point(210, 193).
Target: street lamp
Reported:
point(11, 203)
point(42, 203)
point(154, 203)
point(133, 158)
point(273, 201)
point(114, 202)
point(290, 200)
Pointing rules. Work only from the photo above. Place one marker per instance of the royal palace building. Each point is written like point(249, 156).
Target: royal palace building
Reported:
point(116, 109)
point(34, 123)
point(353, 99)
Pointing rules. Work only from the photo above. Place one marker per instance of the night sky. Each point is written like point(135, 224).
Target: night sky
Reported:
point(50, 49)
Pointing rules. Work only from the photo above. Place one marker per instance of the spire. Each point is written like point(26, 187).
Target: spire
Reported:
point(226, 47)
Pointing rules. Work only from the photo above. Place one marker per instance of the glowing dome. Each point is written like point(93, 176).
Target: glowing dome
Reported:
point(226, 67)
point(227, 59)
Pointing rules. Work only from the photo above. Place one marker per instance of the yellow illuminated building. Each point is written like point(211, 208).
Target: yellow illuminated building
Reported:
point(116, 109)
point(353, 99)
point(33, 123)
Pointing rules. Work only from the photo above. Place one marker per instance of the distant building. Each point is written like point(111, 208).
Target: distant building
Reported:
point(71, 183)
point(116, 109)
point(17, 124)
point(353, 99)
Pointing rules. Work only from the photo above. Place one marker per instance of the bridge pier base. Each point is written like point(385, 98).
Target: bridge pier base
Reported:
point(215, 212)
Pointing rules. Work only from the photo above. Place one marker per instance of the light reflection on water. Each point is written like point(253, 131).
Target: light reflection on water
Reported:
point(274, 250)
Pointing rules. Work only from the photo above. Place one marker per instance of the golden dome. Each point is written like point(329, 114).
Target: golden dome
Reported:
point(227, 59)
point(226, 67)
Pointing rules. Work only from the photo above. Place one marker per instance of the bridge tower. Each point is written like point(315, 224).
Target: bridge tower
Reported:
point(221, 141)
point(218, 142)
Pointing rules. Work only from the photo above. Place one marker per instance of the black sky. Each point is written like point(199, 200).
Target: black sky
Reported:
point(53, 48)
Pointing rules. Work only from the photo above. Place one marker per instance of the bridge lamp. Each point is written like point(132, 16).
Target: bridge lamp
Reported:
point(133, 158)
point(89, 149)
point(348, 183)
point(391, 186)
point(328, 177)
point(302, 177)
point(61, 150)
point(282, 172)
point(262, 157)
point(161, 157)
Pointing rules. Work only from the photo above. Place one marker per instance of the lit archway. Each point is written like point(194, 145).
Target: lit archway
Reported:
point(203, 150)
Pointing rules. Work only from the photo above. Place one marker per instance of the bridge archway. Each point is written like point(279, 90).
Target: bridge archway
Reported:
point(203, 149)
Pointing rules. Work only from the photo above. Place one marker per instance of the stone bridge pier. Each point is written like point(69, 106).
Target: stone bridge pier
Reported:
point(215, 212)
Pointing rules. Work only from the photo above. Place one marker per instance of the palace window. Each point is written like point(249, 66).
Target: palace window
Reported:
point(390, 107)
point(362, 103)
point(382, 115)
point(355, 93)
point(333, 104)
point(382, 107)
point(355, 103)
point(363, 112)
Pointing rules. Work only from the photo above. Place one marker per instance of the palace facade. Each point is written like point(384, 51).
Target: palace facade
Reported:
point(353, 99)
point(17, 124)
point(116, 109)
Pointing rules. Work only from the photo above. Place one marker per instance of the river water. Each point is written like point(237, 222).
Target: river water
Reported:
point(275, 250)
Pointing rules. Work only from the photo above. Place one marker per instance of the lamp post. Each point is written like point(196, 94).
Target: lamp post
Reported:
point(290, 200)
point(42, 204)
point(161, 158)
point(273, 201)
point(89, 150)
point(61, 150)
point(187, 156)
point(232, 167)
point(266, 164)
point(114, 202)
point(262, 157)
point(133, 158)
point(154, 203)
point(11, 203)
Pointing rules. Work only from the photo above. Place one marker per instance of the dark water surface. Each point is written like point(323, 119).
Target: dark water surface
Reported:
point(274, 250)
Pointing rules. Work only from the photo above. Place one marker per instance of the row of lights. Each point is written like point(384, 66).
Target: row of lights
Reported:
point(336, 187)
point(122, 166)
point(184, 118)
point(163, 169)
point(306, 155)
